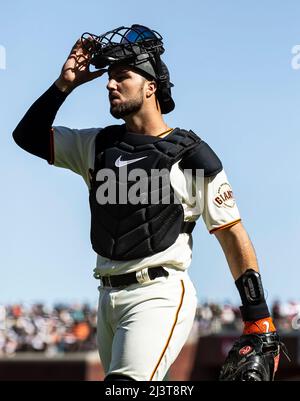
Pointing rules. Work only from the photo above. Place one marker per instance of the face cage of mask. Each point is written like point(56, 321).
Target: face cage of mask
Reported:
point(124, 41)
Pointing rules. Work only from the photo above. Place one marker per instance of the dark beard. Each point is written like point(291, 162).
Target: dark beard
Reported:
point(123, 110)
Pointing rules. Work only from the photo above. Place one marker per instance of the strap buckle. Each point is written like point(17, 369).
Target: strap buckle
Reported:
point(142, 276)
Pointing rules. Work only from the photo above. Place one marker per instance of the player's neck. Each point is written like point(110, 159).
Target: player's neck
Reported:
point(146, 123)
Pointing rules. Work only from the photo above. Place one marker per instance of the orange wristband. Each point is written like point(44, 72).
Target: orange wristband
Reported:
point(259, 326)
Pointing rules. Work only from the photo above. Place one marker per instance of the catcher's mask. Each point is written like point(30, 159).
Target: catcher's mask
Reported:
point(138, 47)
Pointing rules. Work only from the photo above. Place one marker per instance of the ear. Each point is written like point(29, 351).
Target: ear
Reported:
point(151, 87)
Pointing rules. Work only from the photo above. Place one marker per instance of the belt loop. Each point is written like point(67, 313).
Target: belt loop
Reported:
point(106, 281)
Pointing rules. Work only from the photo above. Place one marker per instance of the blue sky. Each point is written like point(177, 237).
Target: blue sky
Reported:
point(230, 62)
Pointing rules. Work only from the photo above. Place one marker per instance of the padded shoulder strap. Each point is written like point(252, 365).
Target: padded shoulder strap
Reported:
point(107, 137)
point(202, 157)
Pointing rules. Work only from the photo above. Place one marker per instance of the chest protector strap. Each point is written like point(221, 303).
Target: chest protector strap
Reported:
point(128, 230)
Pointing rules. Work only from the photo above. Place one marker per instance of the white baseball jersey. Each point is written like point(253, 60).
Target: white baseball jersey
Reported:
point(75, 149)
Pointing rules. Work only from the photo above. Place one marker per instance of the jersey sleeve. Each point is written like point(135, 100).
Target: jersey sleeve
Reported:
point(219, 210)
point(74, 149)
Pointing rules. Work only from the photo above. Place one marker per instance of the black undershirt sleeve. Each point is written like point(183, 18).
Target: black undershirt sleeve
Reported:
point(33, 133)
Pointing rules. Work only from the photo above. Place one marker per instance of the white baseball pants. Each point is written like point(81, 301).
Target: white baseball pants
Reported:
point(142, 327)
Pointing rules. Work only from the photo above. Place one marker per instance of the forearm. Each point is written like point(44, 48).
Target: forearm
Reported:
point(237, 249)
point(242, 261)
point(33, 131)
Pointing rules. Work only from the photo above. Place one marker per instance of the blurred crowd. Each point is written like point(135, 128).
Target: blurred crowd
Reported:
point(72, 328)
point(212, 318)
point(38, 328)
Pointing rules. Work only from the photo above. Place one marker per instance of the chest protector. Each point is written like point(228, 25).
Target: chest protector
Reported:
point(126, 230)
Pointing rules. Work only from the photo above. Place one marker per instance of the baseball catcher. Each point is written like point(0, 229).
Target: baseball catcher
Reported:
point(255, 355)
point(148, 185)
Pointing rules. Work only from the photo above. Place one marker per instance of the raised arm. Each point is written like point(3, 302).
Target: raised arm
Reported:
point(33, 133)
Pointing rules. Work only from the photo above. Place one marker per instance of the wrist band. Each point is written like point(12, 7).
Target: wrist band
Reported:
point(254, 306)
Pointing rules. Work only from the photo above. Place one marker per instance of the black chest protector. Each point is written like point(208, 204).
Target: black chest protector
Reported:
point(125, 230)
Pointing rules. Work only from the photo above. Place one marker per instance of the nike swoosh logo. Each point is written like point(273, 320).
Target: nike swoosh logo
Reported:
point(121, 163)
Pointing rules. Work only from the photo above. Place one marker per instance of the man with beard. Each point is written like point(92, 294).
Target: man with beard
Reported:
point(147, 301)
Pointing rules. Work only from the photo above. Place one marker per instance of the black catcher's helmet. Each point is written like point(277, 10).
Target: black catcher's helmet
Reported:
point(136, 46)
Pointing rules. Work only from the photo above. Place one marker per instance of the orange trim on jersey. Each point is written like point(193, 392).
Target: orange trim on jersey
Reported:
point(225, 226)
point(51, 159)
point(171, 333)
point(163, 134)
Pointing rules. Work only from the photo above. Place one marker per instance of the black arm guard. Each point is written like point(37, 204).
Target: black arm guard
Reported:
point(253, 357)
point(33, 131)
